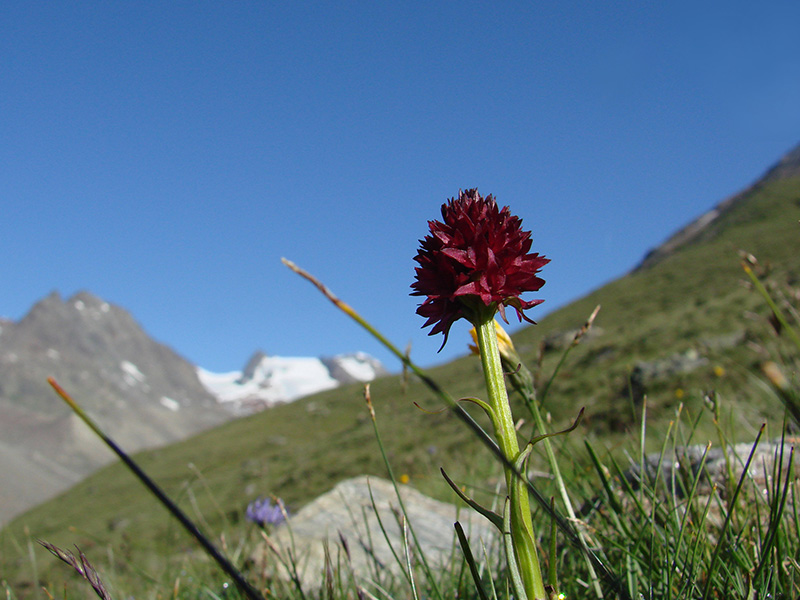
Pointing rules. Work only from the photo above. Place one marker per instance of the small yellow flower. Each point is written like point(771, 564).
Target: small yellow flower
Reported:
point(679, 393)
point(719, 371)
point(404, 478)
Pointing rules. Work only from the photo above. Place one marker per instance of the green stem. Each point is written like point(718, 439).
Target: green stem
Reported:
point(523, 539)
point(562, 489)
point(565, 526)
point(493, 373)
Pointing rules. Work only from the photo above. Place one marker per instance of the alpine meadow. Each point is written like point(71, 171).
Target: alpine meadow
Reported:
point(691, 358)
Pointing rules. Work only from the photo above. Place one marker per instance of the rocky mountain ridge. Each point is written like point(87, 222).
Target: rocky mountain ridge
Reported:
point(704, 226)
point(140, 391)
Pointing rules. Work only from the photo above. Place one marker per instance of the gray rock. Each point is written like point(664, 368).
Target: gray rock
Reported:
point(562, 339)
point(346, 516)
point(688, 461)
point(645, 373)
point(682, 362)
point(724, 341)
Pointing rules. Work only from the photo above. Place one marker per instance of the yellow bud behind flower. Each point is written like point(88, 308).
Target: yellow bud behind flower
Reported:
point(503, 341)
point(519, 375)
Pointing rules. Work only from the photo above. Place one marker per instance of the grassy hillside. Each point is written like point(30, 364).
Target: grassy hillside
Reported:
point(692, 300)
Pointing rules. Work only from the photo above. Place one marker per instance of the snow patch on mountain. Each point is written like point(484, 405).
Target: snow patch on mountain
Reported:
point(132, 373)
point(170, 403)
point(270, 380)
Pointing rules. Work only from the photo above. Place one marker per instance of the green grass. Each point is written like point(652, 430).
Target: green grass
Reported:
point(300, 450)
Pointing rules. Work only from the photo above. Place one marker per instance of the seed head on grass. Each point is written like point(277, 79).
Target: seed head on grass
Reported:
point(82, 565)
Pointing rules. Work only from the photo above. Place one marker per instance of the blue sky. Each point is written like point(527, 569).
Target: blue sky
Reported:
point(165, 156)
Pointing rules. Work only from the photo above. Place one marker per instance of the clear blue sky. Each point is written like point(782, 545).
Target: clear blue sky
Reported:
point(164, 156)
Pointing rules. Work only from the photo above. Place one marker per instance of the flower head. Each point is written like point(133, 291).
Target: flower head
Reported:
point(475, 262)
point(262, 512)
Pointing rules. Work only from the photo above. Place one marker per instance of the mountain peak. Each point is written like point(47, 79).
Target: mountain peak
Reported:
point(142, 392)
point(787, 167)
point(250, 368)
point(83, 299)
point(52, 309)
point(49, 304)
point(269, 380)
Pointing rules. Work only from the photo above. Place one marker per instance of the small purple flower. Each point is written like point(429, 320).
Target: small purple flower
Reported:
point(262, 512)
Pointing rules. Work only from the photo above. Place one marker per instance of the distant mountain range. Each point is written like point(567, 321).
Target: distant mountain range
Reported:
point(140, 391)
point(270, 380)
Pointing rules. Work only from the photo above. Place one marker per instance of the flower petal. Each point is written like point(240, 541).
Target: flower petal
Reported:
point(477, 251)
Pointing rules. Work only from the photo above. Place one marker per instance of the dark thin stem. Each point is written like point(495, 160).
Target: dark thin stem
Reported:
point(223, 562)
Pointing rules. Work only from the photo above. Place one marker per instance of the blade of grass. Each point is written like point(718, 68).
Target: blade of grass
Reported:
point(773, 307)
point(407, 554)
point(575, 341)
point(690, 503)
point(173, 508)
point(286, 558)
point(386, 537)
point(425, 565)
point(776, 512)
point(493, 517)
point(552, 578)
point(513, 569)
point(470, 560)
point(728, 516)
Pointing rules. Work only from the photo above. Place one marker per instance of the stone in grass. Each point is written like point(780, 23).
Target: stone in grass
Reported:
point(687, 463)
point(674, 474)
point(347, 513)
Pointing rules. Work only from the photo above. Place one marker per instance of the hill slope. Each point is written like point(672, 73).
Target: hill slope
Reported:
point(707, 225)
point(146, 394)
point(676, 329)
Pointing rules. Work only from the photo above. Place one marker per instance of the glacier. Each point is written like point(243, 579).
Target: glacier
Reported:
point(270, 380)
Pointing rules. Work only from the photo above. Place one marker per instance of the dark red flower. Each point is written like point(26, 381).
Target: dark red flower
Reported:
point(475, 261)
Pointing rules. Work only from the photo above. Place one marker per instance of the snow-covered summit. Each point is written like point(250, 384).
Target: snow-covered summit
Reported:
point(269, 380)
